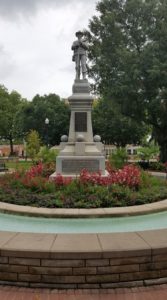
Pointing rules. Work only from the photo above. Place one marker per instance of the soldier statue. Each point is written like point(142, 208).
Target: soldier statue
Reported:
point(79, 47)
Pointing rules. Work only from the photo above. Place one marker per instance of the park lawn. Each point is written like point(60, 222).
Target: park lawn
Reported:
point(18, 165)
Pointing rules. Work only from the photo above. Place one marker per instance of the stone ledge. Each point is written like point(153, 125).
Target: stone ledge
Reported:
point(85, 260)
point(84, 213)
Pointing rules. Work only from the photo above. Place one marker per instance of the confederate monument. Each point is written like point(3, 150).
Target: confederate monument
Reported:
point(80, 150)
point(79, 56)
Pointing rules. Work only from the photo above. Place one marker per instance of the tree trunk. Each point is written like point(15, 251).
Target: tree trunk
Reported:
point(161, 138)
point(11, 146)
point(163, 152)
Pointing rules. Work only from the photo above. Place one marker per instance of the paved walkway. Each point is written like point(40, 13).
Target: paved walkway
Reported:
point(141, 293)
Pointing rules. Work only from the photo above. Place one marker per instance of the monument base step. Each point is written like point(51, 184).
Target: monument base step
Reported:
point(73, 176)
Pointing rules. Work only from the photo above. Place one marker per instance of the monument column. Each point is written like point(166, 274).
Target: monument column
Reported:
point(81, 105)
point(80, 151)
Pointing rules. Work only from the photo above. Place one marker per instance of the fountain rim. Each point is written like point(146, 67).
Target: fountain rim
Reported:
point(126, 211)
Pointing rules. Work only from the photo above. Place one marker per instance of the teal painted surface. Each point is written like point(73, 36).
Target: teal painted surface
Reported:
point(97, 225)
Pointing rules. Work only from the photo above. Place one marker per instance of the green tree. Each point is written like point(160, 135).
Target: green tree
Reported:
point(129, 60)
point(114, 127)
point(33, 144)
point(33, 114)
point(10, 103)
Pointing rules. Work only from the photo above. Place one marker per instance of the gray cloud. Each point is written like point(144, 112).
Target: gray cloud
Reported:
point(35, 44)
point(67, 69)
point(10, 8)
point(15, 8)
point(7, 66)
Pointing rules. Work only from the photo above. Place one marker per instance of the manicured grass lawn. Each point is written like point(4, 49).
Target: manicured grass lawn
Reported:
point(18, 165)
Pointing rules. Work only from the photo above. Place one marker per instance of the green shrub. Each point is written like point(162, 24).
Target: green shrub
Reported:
point(118, 158)
point(157, 166)
point(145, 179)
point(120, 194)
point(148, 152)
point(47, 155)
point(33, 144)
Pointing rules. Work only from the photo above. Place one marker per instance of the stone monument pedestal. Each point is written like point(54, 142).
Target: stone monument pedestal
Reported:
point(80, 152)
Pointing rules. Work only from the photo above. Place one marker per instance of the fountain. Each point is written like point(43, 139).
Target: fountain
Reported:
point(96, 258)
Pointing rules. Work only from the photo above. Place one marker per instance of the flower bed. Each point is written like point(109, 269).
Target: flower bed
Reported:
point(124, 187)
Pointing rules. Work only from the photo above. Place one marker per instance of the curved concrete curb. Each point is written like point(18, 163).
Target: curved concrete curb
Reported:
point(84, 213)
point(78, 261)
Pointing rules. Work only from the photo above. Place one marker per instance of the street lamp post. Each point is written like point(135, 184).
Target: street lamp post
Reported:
point(47, 124)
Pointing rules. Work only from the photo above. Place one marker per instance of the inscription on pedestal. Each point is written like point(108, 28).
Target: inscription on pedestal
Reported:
point(81, 122)
point(76, 166)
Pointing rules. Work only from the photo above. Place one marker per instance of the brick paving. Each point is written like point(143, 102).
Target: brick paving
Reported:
point(140, 293)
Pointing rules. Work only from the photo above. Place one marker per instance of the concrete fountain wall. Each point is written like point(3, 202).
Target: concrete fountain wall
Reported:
point(84, 260)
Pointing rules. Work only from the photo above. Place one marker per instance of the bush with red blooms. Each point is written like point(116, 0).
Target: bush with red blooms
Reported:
point(93, 178)
point(34, 183)
point(59, 180)
point(35, 170)
point(126, 186)
point(129, 176)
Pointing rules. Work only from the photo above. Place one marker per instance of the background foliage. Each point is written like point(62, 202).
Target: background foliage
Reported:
point(129, 64)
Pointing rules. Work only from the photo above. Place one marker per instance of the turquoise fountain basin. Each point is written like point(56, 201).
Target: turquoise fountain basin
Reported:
point(9, 222)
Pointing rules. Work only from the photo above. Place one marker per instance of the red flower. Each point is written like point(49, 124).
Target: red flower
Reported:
point(59, 180)
point(35, 170)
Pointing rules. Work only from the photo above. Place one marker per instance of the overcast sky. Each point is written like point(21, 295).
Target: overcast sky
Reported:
point(35, 44)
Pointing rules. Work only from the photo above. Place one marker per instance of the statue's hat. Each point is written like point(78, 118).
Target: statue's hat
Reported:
point(79, 33)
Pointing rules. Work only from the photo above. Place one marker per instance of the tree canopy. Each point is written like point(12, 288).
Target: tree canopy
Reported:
point(114, 127)
point(10, 103)
point(33, 114)
point(128, 42)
